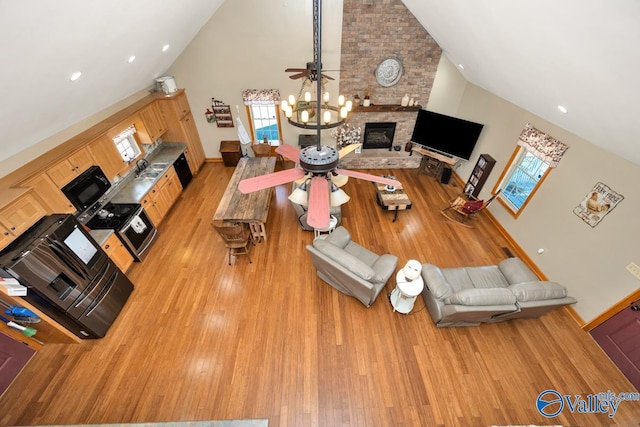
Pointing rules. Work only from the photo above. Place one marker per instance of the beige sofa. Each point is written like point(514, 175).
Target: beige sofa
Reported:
point(351, 268)
point(466, 296)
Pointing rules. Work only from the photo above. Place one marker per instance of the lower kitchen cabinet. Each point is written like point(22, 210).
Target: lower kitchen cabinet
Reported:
point(118, 253)
point(162, 196)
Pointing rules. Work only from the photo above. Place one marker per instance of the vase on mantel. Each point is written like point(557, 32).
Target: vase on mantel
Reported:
point(405, 100)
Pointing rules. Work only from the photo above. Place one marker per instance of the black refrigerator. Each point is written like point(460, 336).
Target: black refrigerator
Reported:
point(68, 275)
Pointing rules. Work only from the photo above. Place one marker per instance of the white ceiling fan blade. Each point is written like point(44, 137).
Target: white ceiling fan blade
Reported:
point(291, 153)
point(347, 149)
point(368, 177)
point(250, 185)
point(318, 213)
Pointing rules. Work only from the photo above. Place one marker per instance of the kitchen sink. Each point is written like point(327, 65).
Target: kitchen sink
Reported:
point(157, 167)
point(151, 172)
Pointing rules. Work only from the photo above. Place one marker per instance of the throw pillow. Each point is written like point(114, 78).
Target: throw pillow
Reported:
point(474, 297)
point(538, 291)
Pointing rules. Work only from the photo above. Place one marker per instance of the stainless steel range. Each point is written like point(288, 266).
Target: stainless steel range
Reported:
point(132, 224)
point(88, 193)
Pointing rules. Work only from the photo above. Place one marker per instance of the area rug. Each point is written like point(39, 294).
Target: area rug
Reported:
point(222, 423)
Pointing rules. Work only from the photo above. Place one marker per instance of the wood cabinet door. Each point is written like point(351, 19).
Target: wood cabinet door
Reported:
point(49, 193)
point(192, 139)
point(181, 105)
point(106, 155)
point(150, 208)
point(81, 160)
point(118, 253)
point(62, 173)
point(21, 214)
point(153, 121)
point(6, 236)
point(173, 188)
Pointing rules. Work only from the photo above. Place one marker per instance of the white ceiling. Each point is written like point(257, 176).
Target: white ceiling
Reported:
point(583, 54)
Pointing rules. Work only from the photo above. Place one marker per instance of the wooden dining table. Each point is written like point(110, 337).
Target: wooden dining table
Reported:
point(251, 208)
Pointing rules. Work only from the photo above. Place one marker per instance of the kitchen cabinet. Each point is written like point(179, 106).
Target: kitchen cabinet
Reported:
point(65, 170)
point(18, 216)
point(107, 156)
point(181, 127)
point(154, 123)
point(118, 253)
point(159, 200)
point(47, 191)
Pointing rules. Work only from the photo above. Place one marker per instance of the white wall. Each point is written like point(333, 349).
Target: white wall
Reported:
point(589, 261)
point(229, 55)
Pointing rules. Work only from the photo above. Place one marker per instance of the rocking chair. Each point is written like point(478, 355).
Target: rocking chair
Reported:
point(464, 207)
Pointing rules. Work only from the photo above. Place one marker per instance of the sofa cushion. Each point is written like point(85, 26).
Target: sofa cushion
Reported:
point(384, 267)
point(538, 291)
point(345, 259)
point(474, 297)
point(488, 276)
point(516, 271)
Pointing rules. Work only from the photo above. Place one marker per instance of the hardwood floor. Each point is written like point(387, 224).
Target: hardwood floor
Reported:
point(202, 340)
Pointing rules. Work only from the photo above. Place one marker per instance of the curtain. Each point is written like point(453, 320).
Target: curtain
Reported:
point(260, 96)
point(542, 146)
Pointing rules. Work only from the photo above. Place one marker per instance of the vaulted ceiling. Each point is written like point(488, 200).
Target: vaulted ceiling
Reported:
point(537, 54)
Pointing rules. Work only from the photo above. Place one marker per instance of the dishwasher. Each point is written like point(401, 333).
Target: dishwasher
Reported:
point(182, 170)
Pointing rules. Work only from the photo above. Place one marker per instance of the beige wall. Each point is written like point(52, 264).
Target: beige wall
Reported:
point(589, 261)
point(229, 55)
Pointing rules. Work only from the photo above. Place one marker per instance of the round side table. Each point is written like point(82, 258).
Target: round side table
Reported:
point(333, 222)
point(404, 295)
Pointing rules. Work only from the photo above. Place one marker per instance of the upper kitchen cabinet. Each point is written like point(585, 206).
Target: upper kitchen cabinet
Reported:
point(65, 170)
point(43, 187)
point(106, 155)
point(18, 216)
point(154, 124)
point(182, 128)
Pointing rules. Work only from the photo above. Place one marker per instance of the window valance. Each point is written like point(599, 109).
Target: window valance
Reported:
point(541, 145)
point(260, 96)
point(124, 134)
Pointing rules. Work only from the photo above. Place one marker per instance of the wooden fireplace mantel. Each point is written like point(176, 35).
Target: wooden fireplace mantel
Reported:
point(385, 108)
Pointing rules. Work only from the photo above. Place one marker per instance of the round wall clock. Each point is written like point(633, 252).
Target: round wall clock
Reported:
point(388, 72)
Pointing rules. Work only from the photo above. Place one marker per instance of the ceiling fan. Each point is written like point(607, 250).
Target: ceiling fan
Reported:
point(318, 171)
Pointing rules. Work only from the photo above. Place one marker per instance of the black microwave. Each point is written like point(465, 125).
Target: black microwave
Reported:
point(87, 188)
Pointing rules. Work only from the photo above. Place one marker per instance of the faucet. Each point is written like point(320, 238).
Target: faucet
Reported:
point(141, 165)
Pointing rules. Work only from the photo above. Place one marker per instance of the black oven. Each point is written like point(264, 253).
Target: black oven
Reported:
point(87, 188)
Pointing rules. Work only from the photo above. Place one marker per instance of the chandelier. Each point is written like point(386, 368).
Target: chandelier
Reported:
point(308, 111)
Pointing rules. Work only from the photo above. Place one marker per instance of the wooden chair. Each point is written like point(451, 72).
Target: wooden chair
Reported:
point(237, 239)
point(261, 149)
point(464, 207)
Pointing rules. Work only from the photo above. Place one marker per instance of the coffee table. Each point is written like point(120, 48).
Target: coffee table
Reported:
point(396, 200)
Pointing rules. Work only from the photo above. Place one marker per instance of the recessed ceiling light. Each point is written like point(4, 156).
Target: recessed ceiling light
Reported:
point(562, 109)
point(75, 76)
point(165, 48)
point(461, 66)
point(131, 59)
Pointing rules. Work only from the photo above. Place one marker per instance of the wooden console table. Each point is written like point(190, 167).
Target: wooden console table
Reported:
point(252, 208)
point(433, 163)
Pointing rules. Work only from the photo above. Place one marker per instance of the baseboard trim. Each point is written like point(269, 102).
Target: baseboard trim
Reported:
point(614, 309)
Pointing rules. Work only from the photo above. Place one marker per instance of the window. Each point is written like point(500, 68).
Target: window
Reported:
point(530, 164)
point(263, 109)
point(264, 122)
point(127, 145)
point(524, 175)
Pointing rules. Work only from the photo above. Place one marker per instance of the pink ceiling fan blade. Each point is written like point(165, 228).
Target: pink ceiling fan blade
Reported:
point(270, 180)
point(368, 177)
point(318, 214)
point(291, 153)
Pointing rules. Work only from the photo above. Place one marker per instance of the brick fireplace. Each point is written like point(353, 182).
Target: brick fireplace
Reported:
point(379, 135)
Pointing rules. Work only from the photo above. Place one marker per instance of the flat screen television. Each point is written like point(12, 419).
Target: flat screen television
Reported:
point(445, 134)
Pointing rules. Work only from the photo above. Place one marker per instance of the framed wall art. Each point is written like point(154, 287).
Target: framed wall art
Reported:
point(597, 204)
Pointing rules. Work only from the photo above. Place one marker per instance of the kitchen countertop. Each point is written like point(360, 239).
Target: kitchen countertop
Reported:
point(132, 191)
point(101, 236)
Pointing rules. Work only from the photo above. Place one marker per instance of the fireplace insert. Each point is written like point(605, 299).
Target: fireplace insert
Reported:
point(379, 135)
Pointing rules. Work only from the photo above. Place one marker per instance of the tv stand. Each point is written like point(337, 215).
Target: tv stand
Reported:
point(435, 164)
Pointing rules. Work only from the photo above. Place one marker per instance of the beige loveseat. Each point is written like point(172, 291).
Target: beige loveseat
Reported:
point(465, 296)
point(351, 268)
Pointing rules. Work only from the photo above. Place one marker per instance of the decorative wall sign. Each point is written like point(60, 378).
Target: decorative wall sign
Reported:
point(597, 204)
point(388, 72)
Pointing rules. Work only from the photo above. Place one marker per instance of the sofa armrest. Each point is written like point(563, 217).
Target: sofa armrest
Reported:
point(436, 282)
point(538, 291)
point(384, 267)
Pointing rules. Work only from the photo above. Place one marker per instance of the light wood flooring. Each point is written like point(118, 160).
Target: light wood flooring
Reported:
point(202, 340)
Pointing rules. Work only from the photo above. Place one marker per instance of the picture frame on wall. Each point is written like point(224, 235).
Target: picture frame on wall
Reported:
point(597, 204)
